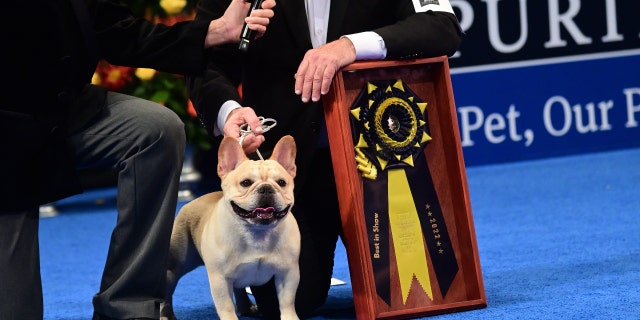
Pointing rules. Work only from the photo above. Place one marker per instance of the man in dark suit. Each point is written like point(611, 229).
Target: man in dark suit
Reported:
point(284, 75)
point(52, 122)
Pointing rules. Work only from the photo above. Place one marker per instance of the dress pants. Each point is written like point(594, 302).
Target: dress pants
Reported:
point(20, 285)
point(144, 142)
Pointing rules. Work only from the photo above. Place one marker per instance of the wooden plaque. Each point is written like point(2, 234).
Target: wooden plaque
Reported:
point(394, 276)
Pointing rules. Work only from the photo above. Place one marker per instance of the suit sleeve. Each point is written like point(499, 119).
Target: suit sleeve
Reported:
point(420, 34)
point(222, 73)
point(130, 41)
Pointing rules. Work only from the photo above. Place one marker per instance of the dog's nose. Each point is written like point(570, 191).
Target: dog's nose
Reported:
point(263, 189)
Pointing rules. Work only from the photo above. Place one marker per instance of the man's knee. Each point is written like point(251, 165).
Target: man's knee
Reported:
point(164, 128)
point(174, 131)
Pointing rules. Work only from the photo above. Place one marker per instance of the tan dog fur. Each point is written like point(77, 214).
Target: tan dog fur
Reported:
point(246, 248)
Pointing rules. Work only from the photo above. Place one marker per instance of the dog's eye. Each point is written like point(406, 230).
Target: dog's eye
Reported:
point(246, 183)
point(281, 182)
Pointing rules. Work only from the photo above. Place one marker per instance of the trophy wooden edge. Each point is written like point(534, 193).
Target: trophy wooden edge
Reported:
point(355, 231)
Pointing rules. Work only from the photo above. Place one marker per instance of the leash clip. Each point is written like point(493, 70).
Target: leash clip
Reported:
point(265, 123)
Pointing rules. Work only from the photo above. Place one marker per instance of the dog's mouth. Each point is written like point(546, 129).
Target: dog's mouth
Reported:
point(262, 215)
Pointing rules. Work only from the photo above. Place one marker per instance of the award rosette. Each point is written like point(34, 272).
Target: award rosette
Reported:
point(390, 131)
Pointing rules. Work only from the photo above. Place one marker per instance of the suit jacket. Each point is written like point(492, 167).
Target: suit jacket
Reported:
point(267, 69)
point(48, 93)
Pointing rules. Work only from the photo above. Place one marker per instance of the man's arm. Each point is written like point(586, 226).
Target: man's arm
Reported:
point(423, 34)
point(227, 28)
point(180, 48)
point(218, 86)
point(419, 32)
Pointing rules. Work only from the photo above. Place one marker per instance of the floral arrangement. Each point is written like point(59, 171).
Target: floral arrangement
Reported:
point(164, 88)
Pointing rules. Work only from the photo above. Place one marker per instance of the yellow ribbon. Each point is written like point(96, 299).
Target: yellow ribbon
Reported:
point(407, 235)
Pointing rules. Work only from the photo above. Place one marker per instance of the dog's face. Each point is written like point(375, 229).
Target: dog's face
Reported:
point(258, 191)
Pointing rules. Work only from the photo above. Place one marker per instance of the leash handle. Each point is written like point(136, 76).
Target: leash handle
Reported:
point(265, 123)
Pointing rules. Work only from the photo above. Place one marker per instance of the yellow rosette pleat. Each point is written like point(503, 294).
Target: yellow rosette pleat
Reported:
point(407, 235)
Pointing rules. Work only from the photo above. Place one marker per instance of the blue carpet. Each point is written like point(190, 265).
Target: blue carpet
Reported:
point(558, 239)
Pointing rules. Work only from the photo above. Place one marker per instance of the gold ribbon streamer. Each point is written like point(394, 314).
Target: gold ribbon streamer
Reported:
point(407, 235)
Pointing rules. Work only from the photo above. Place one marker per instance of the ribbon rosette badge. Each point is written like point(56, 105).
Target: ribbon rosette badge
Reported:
point(390, 131)
point(392, 128)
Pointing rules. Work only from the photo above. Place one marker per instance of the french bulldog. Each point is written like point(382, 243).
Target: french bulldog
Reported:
point(244, 235)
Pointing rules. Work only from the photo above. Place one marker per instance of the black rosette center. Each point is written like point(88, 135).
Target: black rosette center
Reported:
point(392, 124)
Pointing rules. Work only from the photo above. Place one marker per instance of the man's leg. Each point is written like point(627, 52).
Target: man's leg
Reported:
point(145, 143)
point(321, 217)
point(20, 281)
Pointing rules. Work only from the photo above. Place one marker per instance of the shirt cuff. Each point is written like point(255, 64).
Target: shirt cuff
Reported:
point(226, 108)
point(369, 45)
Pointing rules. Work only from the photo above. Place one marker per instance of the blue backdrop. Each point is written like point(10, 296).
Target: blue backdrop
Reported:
point(535, 79)
point(536, 111)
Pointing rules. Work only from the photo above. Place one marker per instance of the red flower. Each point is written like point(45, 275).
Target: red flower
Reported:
point(114, 77)
point(173, 19)
point(190, 109)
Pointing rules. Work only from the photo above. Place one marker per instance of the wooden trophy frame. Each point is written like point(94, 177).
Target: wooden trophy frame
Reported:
point(430, 80)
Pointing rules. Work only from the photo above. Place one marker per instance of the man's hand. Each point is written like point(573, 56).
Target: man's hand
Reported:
point(227, 28)
point(319, 65)
point(238, 117)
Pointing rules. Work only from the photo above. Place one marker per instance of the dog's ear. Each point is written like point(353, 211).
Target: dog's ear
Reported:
point(230, 154)
point(285, 154)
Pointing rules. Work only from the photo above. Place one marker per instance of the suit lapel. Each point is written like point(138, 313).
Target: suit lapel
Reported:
point(296, 17)
point(337, 14)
